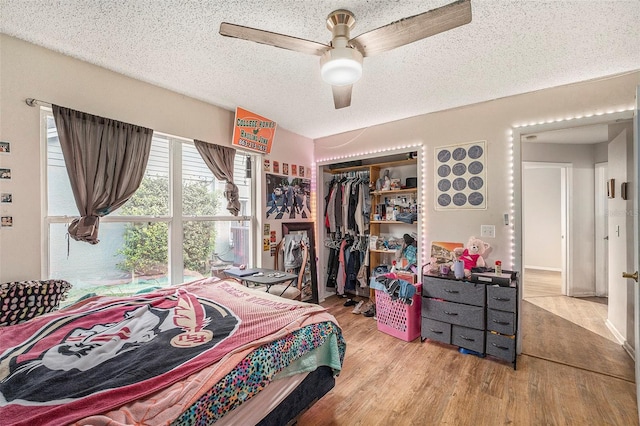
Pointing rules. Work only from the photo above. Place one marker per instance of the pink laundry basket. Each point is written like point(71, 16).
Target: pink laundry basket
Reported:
point(396, 317)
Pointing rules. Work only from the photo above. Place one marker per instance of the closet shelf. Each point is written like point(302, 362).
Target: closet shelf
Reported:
point(392, 221)
point(396, 191)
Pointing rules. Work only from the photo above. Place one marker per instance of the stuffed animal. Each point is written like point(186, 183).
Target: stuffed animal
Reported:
point(473, 255)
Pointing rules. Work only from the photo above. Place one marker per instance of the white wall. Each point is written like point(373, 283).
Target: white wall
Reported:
point(30, 71)
point(542, 225)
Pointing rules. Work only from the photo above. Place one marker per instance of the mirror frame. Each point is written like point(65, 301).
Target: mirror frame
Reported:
point(298, 227)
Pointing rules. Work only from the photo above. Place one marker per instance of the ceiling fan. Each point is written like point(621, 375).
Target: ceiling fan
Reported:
point(341, 60)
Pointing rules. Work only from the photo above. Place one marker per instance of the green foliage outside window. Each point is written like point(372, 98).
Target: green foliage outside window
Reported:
point(145, 247)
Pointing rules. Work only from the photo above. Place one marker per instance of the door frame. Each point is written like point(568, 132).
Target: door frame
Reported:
point(602, 243)
point(636, 239)
point(516, 196)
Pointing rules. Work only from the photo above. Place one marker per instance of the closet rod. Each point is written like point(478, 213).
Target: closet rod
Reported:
point(32, 102)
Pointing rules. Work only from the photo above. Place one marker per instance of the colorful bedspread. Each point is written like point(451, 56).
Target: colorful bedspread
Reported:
point(116, 360)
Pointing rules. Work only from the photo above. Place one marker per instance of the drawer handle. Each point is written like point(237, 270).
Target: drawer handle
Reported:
point(504, 348)
point(451, 291)
point(450, 313)
point(502, 322)
point(467, 338)
point(502, 299)
point(435, 331)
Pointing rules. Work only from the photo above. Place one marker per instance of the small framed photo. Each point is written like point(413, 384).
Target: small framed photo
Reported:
point(276, 167)
point(5, 173)
point(6, 197)
point(7, 221)
point(5, 147)
point(301, 171)
point(294, 170)
point(285, 169)
point(267, 165)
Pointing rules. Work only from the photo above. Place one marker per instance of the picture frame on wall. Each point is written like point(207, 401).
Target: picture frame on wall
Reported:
point(5, 147)
point(6, 197)
point(6, 221)
point(460, 176)
point(5, 173)
point(287, 198)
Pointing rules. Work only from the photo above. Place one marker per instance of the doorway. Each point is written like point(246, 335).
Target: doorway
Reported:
point(549, 151)
point(545, 216)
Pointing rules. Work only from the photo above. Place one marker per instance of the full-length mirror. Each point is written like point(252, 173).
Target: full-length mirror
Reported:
point(309, 287)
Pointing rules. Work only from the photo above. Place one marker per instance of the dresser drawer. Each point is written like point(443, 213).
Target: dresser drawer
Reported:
point(454, 313)
point(435, 330)
point(468, 338)
point(501, 346)
point(500, 321)
point(502, 298)
point(454, 291)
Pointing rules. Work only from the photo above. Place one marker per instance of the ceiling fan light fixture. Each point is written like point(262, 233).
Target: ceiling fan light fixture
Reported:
point(341, 66)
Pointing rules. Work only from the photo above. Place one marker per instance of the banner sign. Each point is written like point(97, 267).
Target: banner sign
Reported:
point(253, 132)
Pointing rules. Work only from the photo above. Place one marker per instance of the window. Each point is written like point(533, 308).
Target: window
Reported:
point(174, 229)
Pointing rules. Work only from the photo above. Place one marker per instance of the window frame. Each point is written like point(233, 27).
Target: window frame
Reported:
point(175, 218)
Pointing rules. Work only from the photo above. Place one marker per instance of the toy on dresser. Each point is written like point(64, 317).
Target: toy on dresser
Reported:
point(473, 255)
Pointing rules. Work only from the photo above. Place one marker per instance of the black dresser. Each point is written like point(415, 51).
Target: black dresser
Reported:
point(480, 317)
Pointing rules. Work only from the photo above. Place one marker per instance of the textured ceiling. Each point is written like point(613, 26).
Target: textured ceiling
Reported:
point(510, 47)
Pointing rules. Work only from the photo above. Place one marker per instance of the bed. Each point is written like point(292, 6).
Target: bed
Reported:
point(205, 352)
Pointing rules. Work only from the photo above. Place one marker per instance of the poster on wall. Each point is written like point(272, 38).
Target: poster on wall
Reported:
point(252, 131)
point(460, 176)
point(287, 197)
point(7, 222)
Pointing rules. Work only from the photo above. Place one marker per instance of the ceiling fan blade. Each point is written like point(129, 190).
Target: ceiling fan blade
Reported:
point(342, 96)
point(273, 39)
point(413, 28)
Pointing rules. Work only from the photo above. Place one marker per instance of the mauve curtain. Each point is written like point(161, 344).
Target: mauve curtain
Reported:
point(105, 160)
point(220, 159)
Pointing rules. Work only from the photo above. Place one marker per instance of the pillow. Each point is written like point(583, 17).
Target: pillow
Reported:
point(22, 300)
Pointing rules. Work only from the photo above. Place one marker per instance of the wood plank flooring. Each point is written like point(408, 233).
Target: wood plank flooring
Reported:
point(543, 289)
point(386, 381)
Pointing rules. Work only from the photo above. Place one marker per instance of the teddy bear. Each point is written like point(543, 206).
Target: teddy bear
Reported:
point(474, 255)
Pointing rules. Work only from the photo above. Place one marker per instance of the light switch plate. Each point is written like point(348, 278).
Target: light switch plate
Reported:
point(487, 231)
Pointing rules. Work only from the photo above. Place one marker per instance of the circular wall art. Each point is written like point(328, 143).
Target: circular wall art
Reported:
point(460, 179)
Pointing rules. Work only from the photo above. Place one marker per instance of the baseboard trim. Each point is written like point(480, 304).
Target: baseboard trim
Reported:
point(615, 333)
point(542, 268)
point(630, 350)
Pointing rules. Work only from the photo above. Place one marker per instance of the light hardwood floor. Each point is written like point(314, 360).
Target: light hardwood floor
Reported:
point(543, 289)
point(386, 381)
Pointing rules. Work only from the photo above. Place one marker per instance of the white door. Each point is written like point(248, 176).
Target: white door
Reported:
point(635, 189)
